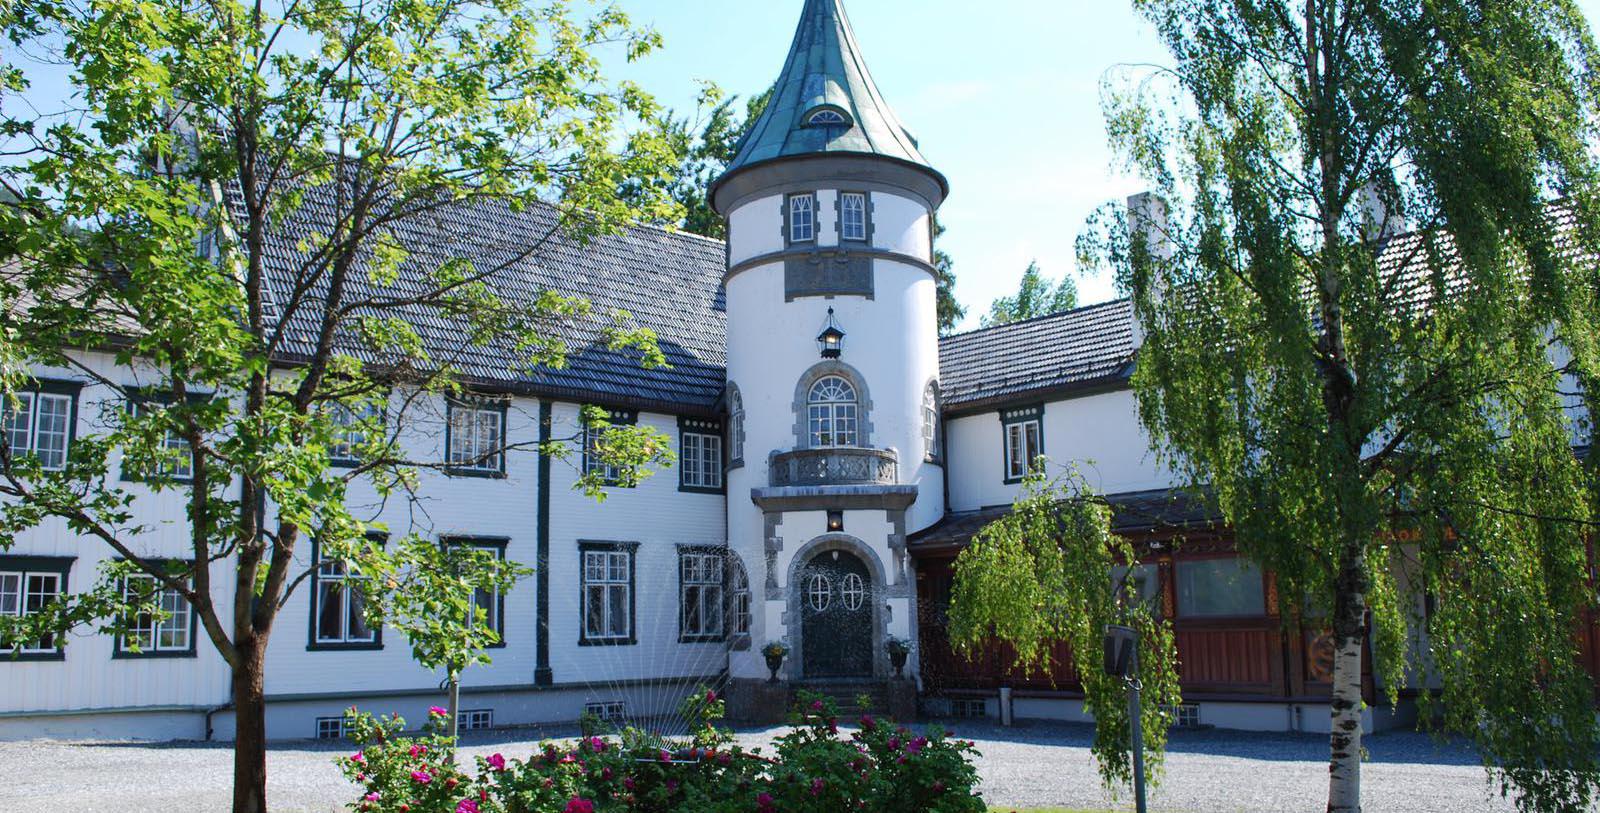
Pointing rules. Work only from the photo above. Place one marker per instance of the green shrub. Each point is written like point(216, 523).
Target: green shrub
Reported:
point(879, 768)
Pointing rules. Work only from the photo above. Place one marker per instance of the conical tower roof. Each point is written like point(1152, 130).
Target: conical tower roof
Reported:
point(825, 103)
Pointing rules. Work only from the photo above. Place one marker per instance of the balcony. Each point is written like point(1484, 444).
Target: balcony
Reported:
point(840, 466)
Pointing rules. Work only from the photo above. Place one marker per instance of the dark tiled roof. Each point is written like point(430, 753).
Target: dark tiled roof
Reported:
point(1132, 512)
point(1083, 347)
point(668, 282)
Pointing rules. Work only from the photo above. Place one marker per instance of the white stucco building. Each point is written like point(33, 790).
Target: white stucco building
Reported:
point(835, 453)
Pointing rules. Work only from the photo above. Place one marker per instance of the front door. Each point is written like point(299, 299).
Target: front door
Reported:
point(836, 616)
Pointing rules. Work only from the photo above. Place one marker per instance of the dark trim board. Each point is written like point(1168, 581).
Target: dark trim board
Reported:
point(542, 675)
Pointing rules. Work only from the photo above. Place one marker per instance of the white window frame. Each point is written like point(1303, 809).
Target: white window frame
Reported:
point(701, 585)
point(476, 431)
point(178, 466)
point(701, 460)
point(853, 216)
point(1024, 444)
point(606, 572)
point(349, 436)
point(339, 578)
point(930, 423)
point(173, 635)
point(825, 414)
point(739, 605)
point(735, 426)
point(802, 214)
point(19, 596)
point(26, 436)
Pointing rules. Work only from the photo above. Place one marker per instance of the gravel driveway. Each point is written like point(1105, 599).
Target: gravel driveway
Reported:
point(1036, 764)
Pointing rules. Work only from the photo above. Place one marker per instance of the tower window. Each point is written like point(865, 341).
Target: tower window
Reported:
point(853, 216)
point(827, 118)
point(802, 219)
point(930, 421)
point(832, 409)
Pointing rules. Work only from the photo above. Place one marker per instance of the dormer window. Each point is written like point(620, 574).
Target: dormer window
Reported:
point(802, 218)
point(827, 118)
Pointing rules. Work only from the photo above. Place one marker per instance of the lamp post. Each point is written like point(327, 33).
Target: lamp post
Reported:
point(1122, 660)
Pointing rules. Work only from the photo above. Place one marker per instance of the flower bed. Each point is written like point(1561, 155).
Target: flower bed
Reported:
point(879, 768)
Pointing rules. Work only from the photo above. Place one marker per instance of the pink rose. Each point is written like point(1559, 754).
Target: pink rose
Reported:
point(371, 797)
point(418, 750)
point(816, 705)
point(711, 696)
point(917, 744)
point(467, 806)
point(577, 805)
point(938, 787)
point(597, 744)
point(627, 782)
point(358, 758)
point(496, 762)
point(665, 757)
point(438, 712)
point(816, 786)
point(421, 777)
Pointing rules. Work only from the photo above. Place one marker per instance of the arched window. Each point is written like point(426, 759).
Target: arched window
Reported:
point(832, 412)
point(735, 425)
point(930, 420)
point(826, 118)
point(738, 598)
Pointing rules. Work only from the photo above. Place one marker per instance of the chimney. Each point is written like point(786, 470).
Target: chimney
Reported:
point(1378, 222)
point(1147, 221)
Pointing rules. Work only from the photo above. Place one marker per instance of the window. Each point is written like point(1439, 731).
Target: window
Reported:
point(607, 593)
point(1142, 585)
point(488, 605)
point(738, 598)
point(853, 216)
point(1219, 587)
point(930, 421)
point(27, 585)
point(475, 438)
point(802, 218)
point(735, 426)
point(1024, 436)
point(594, 443)
point(825, 118)
point(174, 459)
point(475, 719)
point(700, 583)
point(148, 636)
point(350, 433)
point(40, 422)
point(699, 455)
point(330, 728)
point(338, 610)
point(832, 412)
point(609, 711)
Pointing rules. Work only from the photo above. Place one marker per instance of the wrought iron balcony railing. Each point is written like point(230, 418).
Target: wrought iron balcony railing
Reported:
point(835, 466)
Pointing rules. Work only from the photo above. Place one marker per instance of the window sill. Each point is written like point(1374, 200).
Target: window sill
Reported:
point(372, 646)
point(122, 655)
point(702, 490)
point(33, 657)
point(702, 639)
point(629, 641)
point(481, 474)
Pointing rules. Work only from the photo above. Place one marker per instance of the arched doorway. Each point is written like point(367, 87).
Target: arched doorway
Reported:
point(836, 603)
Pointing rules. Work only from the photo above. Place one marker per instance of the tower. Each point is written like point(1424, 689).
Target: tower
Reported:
point(835, 449)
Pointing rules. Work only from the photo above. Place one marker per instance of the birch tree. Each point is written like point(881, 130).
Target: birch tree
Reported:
point(1369, 324)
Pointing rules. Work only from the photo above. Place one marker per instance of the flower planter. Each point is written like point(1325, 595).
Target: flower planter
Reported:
point(898, 661)
point(774, 663)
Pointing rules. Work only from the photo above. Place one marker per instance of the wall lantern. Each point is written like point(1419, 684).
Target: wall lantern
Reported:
point(831, 340)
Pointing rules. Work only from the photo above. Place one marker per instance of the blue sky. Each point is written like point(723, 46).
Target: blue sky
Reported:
point(1003, 96)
